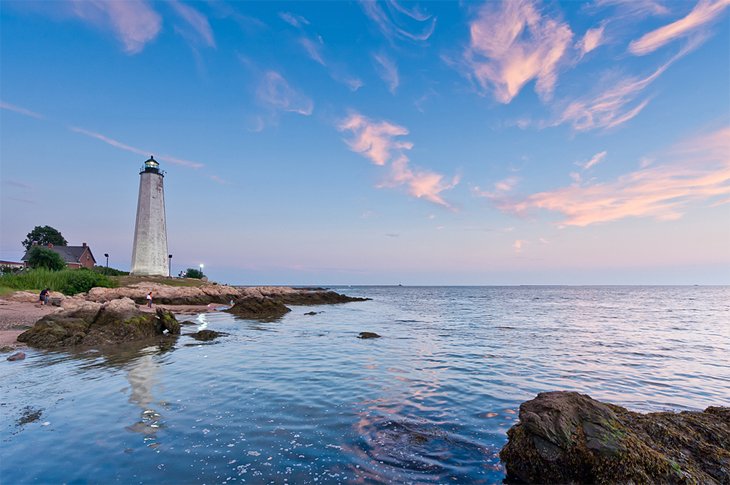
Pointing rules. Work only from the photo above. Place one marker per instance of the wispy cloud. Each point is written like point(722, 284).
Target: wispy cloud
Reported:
point(704, 12)
point(133, 22)
point(512, 43)
point(375, 140)
point(697, 170)
point(195, 20)
point(634, 8)
point(380, 142)
point(293, 19)
point(398, 22)
point(19, 110)
point(615, 105)
point(314, 45)
point(518, 245)
point(388, 71)
point(313, 48)
point(135, 150)
point(499, 191)
point(275, 91)
point(15, 183)
point(595, 160)
point(591, 40)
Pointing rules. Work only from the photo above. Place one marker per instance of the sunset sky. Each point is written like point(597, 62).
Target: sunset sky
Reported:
point(377, 143)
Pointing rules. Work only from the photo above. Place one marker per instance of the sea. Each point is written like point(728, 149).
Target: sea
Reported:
point(302, 399)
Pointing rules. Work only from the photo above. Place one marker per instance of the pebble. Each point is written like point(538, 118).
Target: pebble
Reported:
point(17, 356)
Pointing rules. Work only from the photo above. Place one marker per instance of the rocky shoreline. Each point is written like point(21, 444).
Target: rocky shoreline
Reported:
point(566, 437)
point(110, 316)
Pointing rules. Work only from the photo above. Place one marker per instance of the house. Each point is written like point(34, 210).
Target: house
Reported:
point(11, 265)
point(74, 256)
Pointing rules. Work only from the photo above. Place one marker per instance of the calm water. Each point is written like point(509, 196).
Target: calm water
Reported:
point(302, 400)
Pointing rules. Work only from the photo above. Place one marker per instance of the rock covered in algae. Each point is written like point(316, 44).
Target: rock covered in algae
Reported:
point(566, 437)
point(94, 324)
point(206, 335)
point(258, 308)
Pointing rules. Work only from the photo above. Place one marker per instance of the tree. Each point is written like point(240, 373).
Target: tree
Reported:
point(44, 236)
point(40, 257)
point(194, 273)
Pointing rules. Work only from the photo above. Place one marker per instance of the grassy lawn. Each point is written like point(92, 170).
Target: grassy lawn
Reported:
point(162, 280)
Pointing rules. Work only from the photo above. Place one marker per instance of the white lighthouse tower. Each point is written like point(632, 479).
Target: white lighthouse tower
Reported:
point(149, 256)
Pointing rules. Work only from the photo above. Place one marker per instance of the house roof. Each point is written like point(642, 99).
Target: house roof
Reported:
point(69, 254)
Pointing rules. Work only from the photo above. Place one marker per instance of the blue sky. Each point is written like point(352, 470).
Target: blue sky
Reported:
point(521, 142)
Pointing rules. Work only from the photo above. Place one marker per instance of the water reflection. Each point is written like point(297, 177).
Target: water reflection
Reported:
point(142, 376)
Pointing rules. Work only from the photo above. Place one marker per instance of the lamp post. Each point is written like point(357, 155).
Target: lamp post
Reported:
point(201, 270)
point(169, 265)
point(106, 255)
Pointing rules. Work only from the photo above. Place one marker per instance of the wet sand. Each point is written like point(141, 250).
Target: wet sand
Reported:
point(18, 316)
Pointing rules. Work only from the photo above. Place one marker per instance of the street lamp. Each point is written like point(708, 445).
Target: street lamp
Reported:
point(169, 265)
point(106, 255)
point(201, 270)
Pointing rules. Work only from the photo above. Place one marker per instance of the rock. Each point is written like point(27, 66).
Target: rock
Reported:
point(368, 335)
point(92, 324)
point(6, 348)
point(312, 313)
point(306, 297)
point(17, 356)
point(566, 437)
point(215, 293)
point(206, 335)
point(29, 415)
point(258, 308)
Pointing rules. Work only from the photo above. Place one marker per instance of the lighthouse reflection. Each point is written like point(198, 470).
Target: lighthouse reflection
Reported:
point(143, 377)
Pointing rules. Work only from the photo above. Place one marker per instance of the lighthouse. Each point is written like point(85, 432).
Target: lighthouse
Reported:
point(149, 256)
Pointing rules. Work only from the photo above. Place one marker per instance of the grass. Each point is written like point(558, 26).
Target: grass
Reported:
point(6, 290)
point(162, 280)
point(67, 281)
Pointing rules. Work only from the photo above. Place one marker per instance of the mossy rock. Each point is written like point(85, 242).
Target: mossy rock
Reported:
point(112, 324)
point(566, 437)
point(316, 298)
point(258, 308)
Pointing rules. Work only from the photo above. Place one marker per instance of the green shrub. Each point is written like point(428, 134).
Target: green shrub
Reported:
point(67, 281)
point(41, 257)
point(109, 271)
point(194, 273)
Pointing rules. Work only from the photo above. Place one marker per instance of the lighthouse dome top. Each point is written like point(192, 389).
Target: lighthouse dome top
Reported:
point(152, 165)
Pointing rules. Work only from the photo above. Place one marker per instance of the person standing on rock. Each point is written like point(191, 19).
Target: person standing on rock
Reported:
point(149, 300)
point(43, 297)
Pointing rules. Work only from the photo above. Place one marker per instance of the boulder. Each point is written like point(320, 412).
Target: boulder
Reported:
point(206, 335)
point(258, 308)
point(92, 324)
point(368, 335)
point(566, 437)
point(307, 297)
point(17, 356)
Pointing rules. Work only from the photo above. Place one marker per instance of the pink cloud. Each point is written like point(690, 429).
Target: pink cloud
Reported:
point(138, 151)
point(704, 12)
point(595, 160)
point(512, 43)
point(374, 140)
point(19, 110)
point(395, 21)
point(518, 245)
point(614, 105)
point(379, 141)
point(133, 22)
point(196, 20)
point(388, 71)
point(276, 92)
point(591, 40)
point(698, 170)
